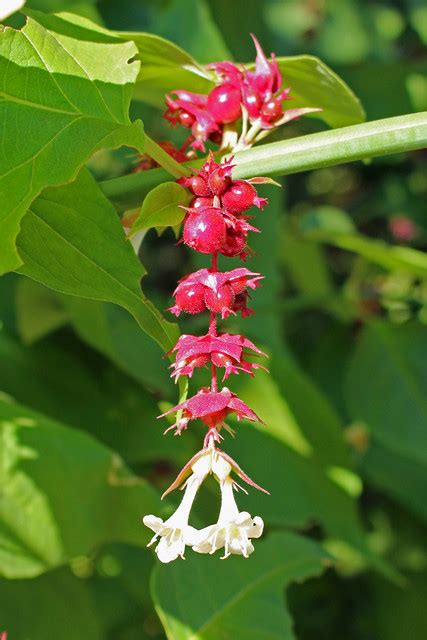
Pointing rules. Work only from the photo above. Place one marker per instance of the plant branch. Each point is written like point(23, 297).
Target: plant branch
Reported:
point(328, 148)
point(162, 158)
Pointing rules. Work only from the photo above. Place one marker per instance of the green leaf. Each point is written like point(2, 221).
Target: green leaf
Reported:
point(324, 149)
point(62, 99)
point(314, 84)
point(57, 603)
point(397, 475)
point(50, 513)
point(392, 404)
point(72, 241)
point(89, 394)
point(164, 67)
point(189, 23)
point(162, 207)
point(39, 312)
point(333, 226)
point(240, 599)
point(392, 401)
point(113, 332)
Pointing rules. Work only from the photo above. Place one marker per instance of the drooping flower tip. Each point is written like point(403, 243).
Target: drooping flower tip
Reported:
point(232, 532)
point(212, 408)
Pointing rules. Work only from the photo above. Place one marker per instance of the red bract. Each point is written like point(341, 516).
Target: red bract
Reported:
point(211, 407)
point(190, 110)
point(222, 350)
point(220, 290)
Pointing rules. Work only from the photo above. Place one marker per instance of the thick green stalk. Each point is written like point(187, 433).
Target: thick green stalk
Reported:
point(328, 148)
point(162, 158)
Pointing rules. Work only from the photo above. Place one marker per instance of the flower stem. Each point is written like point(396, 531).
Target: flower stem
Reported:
point(162, 158)
point(213, 327)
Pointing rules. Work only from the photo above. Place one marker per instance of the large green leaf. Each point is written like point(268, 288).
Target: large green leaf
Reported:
point(38, 310)
point(314, 84)
point(89, 394)
point(239, 599)
point(392, 401)
point(165, 67)
point(65, 93)
point(113, 332)
point(63, 493)
point(72, 241)
point(397, 475)
point(58, 604)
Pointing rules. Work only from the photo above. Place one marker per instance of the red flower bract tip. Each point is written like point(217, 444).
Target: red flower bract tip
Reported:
point(223, 350)
point(211, 407)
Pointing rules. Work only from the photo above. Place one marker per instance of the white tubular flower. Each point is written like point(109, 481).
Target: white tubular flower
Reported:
point(176, 533)
point(234, 529)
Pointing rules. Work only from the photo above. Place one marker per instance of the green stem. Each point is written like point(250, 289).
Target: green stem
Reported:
point(328, 148)
point(162, 158)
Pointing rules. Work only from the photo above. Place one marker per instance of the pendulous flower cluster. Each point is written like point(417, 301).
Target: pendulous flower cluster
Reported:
point(216, 221)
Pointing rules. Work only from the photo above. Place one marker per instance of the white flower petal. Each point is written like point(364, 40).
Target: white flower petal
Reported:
point(153, 522)
point(169, 549)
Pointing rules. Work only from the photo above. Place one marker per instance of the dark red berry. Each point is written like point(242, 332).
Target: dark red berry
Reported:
point(272, 109)
point(252, 102)
point(235, 243)
point(218, 182)
point(204, 230)
point(198, 186)
point(220, 299)
point(239, 197)
point(186, 119)
point(224, 103)
point(240, 304)
point(198, 203)
point(190, 298)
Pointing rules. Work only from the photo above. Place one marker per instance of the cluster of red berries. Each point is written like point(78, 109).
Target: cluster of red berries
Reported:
point(255, 96)
point(215, 223)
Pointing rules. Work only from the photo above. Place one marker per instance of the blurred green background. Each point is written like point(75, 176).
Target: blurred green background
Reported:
point(344, 316)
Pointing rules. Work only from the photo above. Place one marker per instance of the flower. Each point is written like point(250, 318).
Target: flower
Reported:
point(223, 350)
point(234, 529)
point(216, 291)
point(211, 407)
point(175, 533)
